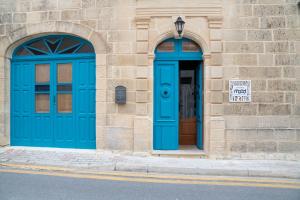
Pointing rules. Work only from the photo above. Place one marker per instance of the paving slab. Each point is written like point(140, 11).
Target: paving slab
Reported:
point(95, 160)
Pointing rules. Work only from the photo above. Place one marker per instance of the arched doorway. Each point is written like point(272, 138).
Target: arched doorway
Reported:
point(53, 93)
point(178, 86)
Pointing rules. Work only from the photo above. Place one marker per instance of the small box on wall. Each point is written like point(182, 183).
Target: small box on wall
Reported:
point(120, 95)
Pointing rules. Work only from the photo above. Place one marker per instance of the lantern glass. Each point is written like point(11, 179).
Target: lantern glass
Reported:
point(179, 25)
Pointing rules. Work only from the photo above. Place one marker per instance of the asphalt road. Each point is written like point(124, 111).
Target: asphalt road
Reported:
point(18, 186)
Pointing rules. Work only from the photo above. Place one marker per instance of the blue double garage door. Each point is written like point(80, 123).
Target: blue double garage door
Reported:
point(53, 103)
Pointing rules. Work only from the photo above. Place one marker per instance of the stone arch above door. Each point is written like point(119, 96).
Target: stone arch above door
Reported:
point(27, 32)
point(52, 93)
point(172, 57)
point(30, 31)
point(203, 25)
point(188, 34)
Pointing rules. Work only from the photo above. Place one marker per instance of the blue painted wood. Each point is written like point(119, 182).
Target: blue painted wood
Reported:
point(166, 101)
point(166, 107)
point(199, 105)
point(67, 130)
point(85, 108)
point(21, 103)
point(64, 124)
point(61, 46)
point(56, 57)
point(41, 122)
point(178, 54)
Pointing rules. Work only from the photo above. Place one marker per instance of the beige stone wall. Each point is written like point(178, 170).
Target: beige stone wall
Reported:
point(155, 23)
point(110, 26)
point(255, 40)
point(261, 40)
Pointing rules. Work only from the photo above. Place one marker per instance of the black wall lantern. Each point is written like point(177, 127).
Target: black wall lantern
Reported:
point(179, 24)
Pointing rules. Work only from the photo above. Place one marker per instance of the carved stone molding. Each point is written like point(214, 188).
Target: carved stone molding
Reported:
point(142, 22)
point(203, 10)
point(213, 13)
point(206, 57)
point(214, 21)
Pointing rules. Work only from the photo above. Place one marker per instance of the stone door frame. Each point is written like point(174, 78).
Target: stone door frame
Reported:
point(30, 31)
point(148, 36)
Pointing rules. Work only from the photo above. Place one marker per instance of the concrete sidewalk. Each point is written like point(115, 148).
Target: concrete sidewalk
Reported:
point(94, 160)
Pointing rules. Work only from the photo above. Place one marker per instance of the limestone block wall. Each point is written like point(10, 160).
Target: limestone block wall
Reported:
point(155, 23)
point(124, 34)
point(261, 43)
point(110, 26)
point(257, 40)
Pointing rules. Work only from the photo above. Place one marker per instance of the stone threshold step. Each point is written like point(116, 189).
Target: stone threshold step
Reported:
point(181, 153)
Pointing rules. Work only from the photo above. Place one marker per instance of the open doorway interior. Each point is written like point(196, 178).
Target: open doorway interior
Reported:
point(188, 103)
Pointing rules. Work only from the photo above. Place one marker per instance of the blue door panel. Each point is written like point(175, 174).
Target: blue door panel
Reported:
point(41, 133)
point(92, 127)
point(166, 73)
point(63, 129)
point(64, 132)
point(165, 137)
point(199, 106)
point(86, 103)
point(83, 98)
point(53, 128)
point(85, 136)
point(22, 103)
point(81, 129)
point(166, 105)
point(18, 108)
point(92, 76)
point(166, 97)
point(169, 137)
point(27, 71)
point(92, 107)
point(22, 135)
point(64, 125)
point(68, 130)
point(27, 99)
point(166, 109)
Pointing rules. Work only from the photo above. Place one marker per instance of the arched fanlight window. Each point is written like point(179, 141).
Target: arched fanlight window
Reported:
point(172, 45)
point(190, 46)
point(174, 49)
point(53, 45)
point(166, 46)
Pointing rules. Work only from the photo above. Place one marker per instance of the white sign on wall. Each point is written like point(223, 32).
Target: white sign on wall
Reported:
point(239, 90)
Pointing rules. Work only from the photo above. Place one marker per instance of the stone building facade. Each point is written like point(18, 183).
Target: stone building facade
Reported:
point(257, 40)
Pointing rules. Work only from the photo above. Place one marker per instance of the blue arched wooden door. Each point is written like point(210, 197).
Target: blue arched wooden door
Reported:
point(53, 93)
point(171, 57)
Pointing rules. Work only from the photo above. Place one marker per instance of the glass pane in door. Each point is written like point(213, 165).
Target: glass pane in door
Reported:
point(190, 46)
point(42, 103)
point(64, 102)
point(166, 47)
point(64, 73)
point(42, 73)
point(64, 87)
point(42, 88)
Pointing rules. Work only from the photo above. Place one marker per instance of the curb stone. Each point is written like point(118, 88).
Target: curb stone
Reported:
point(97, 161)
